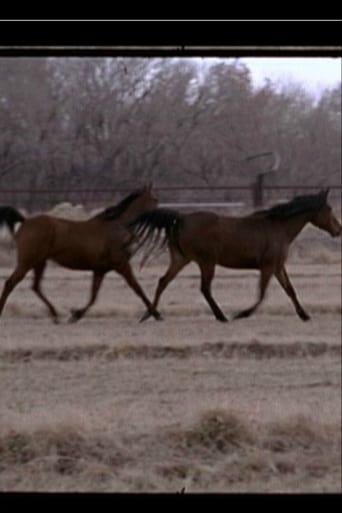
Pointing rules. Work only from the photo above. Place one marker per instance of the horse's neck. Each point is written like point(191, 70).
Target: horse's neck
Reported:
point(128, 216)
point(295, 225)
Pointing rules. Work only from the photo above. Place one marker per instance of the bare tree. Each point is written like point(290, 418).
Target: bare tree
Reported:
point(111, 122)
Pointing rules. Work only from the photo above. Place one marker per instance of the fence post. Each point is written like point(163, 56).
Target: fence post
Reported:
point(258, 191)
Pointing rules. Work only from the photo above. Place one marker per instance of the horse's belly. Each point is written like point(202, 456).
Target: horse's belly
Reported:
point(72, 262)
point(79, 257)
point(242, 252)
point(243, 262)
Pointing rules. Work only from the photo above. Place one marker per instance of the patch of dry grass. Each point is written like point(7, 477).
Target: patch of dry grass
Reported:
point(253, 349)
point(214, 431)
point(109, 404)
point(219, 451)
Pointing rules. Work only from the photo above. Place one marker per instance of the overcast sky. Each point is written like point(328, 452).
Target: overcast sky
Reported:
point(314, 73)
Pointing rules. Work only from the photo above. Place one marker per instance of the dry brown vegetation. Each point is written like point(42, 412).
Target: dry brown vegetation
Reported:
point(219, 451)
point(112, 405)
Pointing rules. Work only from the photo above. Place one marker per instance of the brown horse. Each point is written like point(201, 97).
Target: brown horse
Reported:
point(257, 241)
point(99, 244)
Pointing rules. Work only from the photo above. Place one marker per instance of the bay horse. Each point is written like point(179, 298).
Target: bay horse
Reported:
point(99, 244)
point(259, 241)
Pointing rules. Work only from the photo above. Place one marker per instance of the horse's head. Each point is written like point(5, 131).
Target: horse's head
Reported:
point(324, 217)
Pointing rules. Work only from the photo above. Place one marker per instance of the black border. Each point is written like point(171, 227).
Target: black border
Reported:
point(170, 38)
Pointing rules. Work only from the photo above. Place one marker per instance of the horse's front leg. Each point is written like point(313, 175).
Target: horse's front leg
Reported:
point(177, 263)
point(77, 314)
point(285, 282)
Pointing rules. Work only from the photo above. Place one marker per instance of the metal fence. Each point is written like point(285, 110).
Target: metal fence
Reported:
point(176, 196)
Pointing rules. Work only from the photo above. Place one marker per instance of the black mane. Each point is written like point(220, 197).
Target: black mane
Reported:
point(114, 212)
point(298, 205)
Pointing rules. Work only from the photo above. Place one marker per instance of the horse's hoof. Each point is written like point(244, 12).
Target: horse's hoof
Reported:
point(55, 320)
point(304, 316)
point(241, 315)
point(146, 316)
point(75, 316)
point(222, 319)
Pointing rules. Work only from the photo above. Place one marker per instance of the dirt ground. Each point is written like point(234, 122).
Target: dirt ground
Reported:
point(188, 403)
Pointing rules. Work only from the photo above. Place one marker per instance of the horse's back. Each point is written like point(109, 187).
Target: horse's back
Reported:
point(33, 239)
point(36, 227)
point(84, 245)
point(92, 244)
point(198, 234)
point(228, 241)
point(248, 243)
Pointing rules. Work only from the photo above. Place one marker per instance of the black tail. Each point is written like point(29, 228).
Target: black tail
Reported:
point(10, 216)
point(156, 228)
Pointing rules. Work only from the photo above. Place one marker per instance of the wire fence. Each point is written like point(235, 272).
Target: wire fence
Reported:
point(175, 196)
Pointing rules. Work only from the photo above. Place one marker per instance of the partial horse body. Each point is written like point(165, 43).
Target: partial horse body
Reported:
point(259, 241)
point(99, 244)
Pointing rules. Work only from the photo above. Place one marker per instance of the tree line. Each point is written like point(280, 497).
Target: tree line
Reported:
point(118, 122)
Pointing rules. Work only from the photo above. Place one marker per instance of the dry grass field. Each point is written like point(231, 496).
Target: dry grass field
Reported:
point(112, 405)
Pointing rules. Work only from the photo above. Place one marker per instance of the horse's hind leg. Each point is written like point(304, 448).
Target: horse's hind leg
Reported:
point(38, 272)
point(16, 277)
point(207, 275)
point(265, 276)
point(127, 273)
point(95, 287)
point(285, 282)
